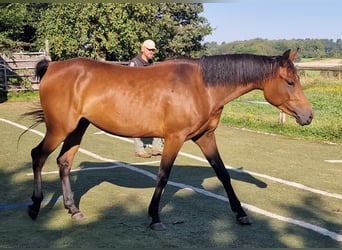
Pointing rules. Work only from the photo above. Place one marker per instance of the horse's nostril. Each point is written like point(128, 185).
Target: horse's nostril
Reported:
point(311, 116)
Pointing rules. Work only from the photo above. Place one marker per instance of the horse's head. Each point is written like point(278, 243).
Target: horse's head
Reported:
point(285, 91)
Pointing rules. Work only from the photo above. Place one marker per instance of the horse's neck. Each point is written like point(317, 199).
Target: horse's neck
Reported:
point(223, 94)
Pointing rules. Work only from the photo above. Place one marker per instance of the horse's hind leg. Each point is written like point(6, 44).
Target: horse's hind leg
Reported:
point(64, 160)
point(39, 155)
point(207, 144)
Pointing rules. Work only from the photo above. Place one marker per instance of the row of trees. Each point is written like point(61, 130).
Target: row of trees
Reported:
point(309, 48)
point(112, 31)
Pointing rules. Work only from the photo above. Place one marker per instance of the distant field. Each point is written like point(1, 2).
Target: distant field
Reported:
point(321, 62)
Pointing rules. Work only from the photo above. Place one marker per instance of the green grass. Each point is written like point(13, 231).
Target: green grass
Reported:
point(19, 96)
point(324, 93)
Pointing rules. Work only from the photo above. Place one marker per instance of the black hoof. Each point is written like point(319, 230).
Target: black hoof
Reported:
point(244, 220)
point(158, 226)
point(32, 212)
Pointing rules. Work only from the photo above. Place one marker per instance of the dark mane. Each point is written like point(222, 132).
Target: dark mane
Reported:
point(237, 68)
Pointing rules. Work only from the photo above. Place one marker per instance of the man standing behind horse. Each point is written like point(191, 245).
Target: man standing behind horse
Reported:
point(145, 58)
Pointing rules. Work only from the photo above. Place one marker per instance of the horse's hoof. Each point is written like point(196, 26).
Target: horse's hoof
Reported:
point(244, 220)
point(78, 216)
point(158, 226)
point(32, 212)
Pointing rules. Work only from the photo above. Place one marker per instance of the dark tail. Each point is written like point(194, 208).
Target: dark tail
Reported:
point(41, 68)
point(37, 114)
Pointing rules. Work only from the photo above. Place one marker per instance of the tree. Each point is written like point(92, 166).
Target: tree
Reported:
point(12, 26)
point(313, 48)
point(17, 25)
point(115, 31)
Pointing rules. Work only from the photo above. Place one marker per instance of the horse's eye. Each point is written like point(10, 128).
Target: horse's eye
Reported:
point(290, 83)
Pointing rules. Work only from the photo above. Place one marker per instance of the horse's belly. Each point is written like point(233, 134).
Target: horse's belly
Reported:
point(128, 126)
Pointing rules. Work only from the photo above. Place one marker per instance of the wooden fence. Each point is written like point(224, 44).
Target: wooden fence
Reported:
point(17, 70)
point(335, 69)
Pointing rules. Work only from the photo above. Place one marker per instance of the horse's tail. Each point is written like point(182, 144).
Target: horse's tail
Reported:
point(41, 68)
point(37, 114)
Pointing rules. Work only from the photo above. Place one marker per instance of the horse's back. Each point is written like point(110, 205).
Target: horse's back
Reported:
point(103, 72)
point(119, 98)
point(92, 77)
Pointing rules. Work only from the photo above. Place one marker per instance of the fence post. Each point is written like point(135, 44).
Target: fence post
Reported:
point(46, 47)
point(282, 117)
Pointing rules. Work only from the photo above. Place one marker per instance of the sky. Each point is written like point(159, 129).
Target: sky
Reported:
point(239, 20)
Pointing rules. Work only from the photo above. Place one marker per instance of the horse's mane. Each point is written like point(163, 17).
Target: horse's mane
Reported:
point(237, 68)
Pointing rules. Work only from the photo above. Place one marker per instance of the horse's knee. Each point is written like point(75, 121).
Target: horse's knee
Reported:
point(64, 166)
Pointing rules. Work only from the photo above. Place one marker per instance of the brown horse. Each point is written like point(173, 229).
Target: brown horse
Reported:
point(177, 100)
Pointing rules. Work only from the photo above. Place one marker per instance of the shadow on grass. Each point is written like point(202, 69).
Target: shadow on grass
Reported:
point(116, 200)
point(192, 175)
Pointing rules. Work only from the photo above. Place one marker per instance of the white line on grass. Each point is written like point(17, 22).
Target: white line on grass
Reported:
point(321, 230)
point(333, 161)
point(289, 183)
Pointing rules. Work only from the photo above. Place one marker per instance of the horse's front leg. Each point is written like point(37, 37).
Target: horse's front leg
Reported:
point(170, 151)
point(207, 144)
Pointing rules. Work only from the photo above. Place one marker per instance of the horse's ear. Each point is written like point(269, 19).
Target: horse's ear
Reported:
point(285, 57)
point(286, 54)
point(293, 55)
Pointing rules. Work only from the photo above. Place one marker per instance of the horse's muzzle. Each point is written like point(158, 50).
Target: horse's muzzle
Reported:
point(304, 119)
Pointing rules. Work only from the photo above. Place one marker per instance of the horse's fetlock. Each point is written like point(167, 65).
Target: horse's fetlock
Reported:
point(37, 199)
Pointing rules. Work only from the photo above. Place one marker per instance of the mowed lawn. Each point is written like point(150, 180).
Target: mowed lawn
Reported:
point(290, 188)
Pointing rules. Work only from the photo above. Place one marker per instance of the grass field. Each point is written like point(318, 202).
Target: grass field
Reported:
point(290, 187)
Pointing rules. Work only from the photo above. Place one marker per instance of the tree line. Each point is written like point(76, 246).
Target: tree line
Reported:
point(309, 48)
point(114, 31)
